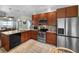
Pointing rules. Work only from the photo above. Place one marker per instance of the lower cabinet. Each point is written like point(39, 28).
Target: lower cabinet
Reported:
point(51, 38)
point(25, 36)
point(13, 40)
point(34, 35)
point(5, 42)
point(31, 34)
point(10, 41)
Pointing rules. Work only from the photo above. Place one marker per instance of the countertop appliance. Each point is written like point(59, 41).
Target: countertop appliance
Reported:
point(68, 33)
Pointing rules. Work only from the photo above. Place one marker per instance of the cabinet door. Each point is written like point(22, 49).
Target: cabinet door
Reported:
point(34, 35)
point(24, 36)
point(61, 13)
point(5, 42)
point(35, 19)
point(51, 38)
point(52, 18)
point(72, 11)
point(43, 16)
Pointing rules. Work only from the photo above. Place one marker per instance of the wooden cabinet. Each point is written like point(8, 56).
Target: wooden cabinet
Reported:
point(35, 19)
point(34, 34)
point(51, 38)
point(31, 34)
point(5, 41)
point(25, 36)
point(61, 13)
point(43, 16)
point(10, 41)
point(52, 18)
point(72, 11)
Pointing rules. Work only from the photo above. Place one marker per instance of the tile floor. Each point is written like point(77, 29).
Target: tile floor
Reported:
point(30, 46)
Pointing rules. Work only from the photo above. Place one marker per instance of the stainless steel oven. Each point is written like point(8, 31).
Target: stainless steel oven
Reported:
point(42, 36)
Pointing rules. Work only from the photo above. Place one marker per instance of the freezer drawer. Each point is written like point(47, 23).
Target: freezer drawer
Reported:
point(72, 43)
point(60, 41)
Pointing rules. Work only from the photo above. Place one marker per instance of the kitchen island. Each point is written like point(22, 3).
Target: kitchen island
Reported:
point(11, 39)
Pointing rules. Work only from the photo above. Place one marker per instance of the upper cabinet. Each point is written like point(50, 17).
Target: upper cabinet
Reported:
point(52, 18)
point(35, 19)
point(72, 11)
point(61, 13)
point(43, 19)
point(43, 16)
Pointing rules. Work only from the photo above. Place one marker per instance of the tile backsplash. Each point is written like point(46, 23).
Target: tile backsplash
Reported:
point(52, 28)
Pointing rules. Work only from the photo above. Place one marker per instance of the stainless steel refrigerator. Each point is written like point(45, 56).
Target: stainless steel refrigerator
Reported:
point(68, 33)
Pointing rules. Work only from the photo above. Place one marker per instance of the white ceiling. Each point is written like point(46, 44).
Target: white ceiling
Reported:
point(27, 10)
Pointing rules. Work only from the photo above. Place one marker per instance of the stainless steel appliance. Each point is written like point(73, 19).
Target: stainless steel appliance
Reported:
point(61, 32)
point(69, 36)
point(43, 21)
point(60, 41)
point(42, 36)
point(61, 26)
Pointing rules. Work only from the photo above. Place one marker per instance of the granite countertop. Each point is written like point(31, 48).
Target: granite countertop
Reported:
point(52, 32)
point(15, 31)
point(19, 31)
